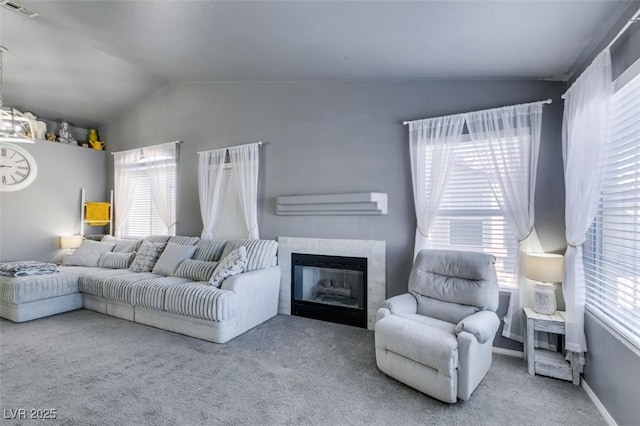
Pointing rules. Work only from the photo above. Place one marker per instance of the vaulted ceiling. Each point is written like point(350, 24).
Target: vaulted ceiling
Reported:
point(86, 61)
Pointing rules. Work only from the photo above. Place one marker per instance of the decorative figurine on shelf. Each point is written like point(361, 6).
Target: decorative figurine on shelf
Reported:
point(65, 134)
point(97, 145)
point(93, 140)
point(93, 135)
point(39, 127)
point(51, 137)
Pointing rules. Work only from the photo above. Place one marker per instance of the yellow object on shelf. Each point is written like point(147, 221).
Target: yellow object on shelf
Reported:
point(93, 135)
point(97, 213)
point(97, 145)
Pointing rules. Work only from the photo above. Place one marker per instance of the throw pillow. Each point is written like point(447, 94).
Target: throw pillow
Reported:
point(260, 253)
point(147, 256)
point(88, 253)
point(122, 245)
point(231, 265)
point(171, 257)
point(196, 270)
point(115, 260)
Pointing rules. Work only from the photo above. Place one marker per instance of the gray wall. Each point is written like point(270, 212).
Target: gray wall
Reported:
point(612, 370)
point(31, 220)
point(333, 137)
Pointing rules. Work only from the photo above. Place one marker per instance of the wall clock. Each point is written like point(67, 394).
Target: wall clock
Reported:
point(18, 168)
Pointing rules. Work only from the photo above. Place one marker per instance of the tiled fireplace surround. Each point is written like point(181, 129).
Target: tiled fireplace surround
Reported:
point(373, 250)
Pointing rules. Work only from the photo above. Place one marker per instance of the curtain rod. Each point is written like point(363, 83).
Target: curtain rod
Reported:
point(234, 146)
point(546, 101)
point(634, 20)
point(135, 149)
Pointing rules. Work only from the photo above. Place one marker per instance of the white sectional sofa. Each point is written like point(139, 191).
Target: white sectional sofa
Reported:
point(175, 298)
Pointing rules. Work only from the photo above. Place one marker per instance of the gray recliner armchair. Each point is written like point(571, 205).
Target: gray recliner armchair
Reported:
point(438, 337)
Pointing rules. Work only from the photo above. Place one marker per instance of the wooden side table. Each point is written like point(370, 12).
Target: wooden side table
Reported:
point(545, 362)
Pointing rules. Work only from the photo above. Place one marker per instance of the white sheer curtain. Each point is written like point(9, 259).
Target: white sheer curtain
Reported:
point(584, 147)
point(430, 143)
point(245, 166)
point(125, 178)
point(210, 172)
point(509, 155)
point(161, 166)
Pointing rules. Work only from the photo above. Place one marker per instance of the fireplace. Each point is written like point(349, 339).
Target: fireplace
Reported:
point(329, 288)
point(371, 250)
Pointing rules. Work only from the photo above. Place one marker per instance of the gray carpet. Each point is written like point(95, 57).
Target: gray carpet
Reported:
point(95, 369)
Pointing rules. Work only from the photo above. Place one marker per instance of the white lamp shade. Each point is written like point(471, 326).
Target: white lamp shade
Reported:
point(70, 242)
point(546, 267)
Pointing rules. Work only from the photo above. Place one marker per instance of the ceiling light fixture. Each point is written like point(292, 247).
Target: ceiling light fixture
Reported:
point(14, 126)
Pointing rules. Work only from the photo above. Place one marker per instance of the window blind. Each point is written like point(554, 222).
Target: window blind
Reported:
point(144, 218)
point(612, 249)
point(469, 217)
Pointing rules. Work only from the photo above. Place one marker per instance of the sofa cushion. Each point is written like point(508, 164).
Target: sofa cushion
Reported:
point(122, 245)
point(119, 288)
point(88, 253)
point(115, 260)
point(234, 263)
point(209, 250)
point(94, 237)
point(158, 238)
point(92, 282)
point(150, 293)
point(261, 254)
point(200, 300)
point(171, 257)
point(147, 256)
point(184, 241)
point(195, 270)
point(27, 289)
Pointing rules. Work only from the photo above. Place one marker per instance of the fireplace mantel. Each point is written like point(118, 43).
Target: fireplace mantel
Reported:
point(373, 250)
point(362, 203)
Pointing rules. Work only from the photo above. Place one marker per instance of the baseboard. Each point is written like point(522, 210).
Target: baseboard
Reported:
point(508, 352)
point(601, 408)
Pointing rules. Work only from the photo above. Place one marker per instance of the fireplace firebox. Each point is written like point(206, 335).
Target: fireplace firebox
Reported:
point(329, 288)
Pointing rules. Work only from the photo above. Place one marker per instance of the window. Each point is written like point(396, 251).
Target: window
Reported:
point(469, 217)
point(144, 218)
point(152, 175)
point(612, 249)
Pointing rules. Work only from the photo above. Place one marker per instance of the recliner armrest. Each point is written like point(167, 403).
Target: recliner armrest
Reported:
point(483, 325)
point(402, 304)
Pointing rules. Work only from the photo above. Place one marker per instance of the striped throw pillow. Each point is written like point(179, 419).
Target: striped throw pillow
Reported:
point(115, 260)
point(196, 270)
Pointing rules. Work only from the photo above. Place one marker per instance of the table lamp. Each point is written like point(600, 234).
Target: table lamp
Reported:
point(70, 242)
point(547, 269)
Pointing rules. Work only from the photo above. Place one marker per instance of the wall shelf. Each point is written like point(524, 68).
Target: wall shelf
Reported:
point(83, 214)
point(361, 203)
